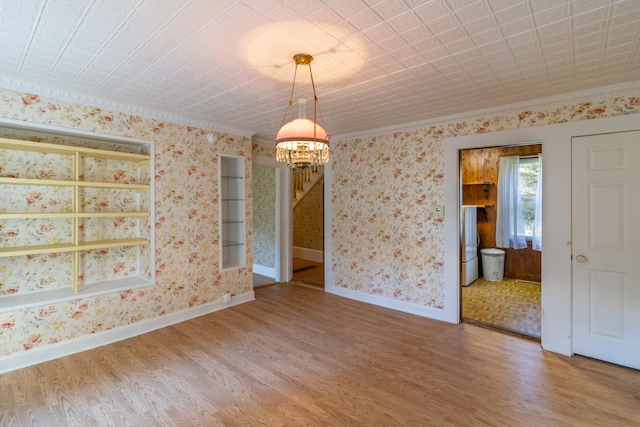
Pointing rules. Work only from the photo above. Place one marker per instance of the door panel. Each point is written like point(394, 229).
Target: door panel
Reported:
point(606, 247)
point(606, 206)
point(606, 304)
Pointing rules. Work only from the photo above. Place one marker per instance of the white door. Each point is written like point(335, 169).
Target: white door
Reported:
point(606, 247)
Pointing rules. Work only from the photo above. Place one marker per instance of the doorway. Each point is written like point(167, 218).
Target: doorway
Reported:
point(508, 297)
point(308, 227)
point(271, 231)
point(557, 303)
point(273, 183)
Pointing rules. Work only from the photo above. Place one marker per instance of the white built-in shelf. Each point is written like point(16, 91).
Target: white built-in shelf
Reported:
point(233, 229)
point(78, 230)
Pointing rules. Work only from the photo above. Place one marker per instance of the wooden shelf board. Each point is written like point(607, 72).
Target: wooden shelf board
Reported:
point(37, 215)
point(45, 215)
point(478, 183)
point(31, 181)
point(112, 214)
point(62, 183)
point(70, 247)
point(42, 147)
point(114, 185)
point(34, 299)
point(103, 244)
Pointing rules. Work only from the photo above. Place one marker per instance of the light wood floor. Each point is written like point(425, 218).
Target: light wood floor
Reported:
point(260, 280)
point(299, 357)
point(308, 273)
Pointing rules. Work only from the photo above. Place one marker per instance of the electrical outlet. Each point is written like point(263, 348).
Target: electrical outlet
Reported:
point(227, 298)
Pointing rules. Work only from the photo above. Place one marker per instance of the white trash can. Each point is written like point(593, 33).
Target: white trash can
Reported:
point(492, 264)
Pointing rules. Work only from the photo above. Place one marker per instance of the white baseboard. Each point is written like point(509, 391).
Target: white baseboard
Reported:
point(264, 271)
point(419, 310)
point(87, 342)
point(308, 254)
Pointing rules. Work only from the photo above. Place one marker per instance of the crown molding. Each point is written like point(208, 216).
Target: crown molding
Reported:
point(109, 104)
point(572, 97)
point(261, 140)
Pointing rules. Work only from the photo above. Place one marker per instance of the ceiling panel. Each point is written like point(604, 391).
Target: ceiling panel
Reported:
point(377, 63)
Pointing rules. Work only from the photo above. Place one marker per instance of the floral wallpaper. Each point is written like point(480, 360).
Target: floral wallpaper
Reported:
point(385, 239)
point(263, 150)
point(264, 216)
point(187, 230)
point(307, 219)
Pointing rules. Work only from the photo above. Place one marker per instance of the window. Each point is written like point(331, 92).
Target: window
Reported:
point(519, 203)
point(528, 171)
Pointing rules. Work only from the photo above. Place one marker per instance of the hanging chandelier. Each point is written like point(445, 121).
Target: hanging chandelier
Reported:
point(302, 143)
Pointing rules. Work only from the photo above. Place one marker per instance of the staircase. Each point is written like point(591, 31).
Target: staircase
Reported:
point(303, 181)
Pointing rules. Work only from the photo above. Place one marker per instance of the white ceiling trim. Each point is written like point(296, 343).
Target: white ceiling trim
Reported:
point(264, 141)
point(574, 97)
point(70, 96)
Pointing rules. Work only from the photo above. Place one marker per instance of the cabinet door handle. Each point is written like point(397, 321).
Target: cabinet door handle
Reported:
point(581, 259)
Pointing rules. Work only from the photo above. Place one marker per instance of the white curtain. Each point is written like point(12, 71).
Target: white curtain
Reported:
point(537, 219)
point(510, 222)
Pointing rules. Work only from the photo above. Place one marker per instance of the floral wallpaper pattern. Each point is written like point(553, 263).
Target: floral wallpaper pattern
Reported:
point(264, 216)
point(263, 150)
point(307, 219)
point(187, 230)
point(385, 238)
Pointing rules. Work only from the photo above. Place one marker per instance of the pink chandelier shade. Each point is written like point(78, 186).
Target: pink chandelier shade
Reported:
point(302, 142)
point(302, 129)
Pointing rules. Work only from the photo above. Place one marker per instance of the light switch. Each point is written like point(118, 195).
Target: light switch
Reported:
point(438, 212)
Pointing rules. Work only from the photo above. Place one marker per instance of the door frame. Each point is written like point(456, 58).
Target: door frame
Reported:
point(284, 240)
point(556, 233)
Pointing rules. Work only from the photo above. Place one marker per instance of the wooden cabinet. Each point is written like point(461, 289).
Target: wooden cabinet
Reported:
point(233, 231)
point(73, 219)
point(479, 201)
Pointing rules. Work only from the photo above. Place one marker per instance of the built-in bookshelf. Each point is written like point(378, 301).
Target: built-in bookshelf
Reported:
point(233, 230)
point(76, 214)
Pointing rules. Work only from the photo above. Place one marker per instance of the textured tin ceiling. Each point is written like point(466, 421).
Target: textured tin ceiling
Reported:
point(377, 63)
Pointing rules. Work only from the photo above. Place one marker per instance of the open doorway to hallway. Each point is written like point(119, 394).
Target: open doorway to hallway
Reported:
point(501, 287)
point(308, 228)
point(271, 228)
point(278, 217)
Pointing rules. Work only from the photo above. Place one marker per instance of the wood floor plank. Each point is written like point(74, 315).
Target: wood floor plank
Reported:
point(299, 356)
